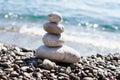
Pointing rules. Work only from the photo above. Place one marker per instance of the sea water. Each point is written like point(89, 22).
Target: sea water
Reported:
point(91, 27)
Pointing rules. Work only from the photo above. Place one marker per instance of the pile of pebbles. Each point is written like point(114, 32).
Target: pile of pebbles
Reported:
point(18, 63)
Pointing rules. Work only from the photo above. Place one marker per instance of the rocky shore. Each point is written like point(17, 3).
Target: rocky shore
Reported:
point(18, 63)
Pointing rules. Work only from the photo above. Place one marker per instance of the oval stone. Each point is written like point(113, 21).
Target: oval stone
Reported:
point(53, 40)
point(53, 28)
point(61, 54)
point(55, 17)
point(88, 78)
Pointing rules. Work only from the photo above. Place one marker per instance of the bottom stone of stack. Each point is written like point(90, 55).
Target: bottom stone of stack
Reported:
point(61, 54)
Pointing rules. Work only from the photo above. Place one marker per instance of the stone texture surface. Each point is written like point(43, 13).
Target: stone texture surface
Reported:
point(55, 17)
point(53, 28)
point(61, 54)
point(53, 40)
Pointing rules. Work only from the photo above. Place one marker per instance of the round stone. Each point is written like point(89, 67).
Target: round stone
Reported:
point(55, 17)
point(61, 54)
point(53, 40)
point(53, 28)
point(47, 64)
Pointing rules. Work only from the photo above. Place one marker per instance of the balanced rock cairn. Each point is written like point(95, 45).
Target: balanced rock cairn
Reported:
point(53, 40)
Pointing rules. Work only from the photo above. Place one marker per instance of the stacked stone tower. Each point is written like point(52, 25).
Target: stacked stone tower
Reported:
point(54, 48)
point(54, 29)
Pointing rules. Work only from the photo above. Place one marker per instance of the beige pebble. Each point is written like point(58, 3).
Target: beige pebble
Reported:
point(53, 40)
point(55, 17)
point(47, 64)
point(54, 28)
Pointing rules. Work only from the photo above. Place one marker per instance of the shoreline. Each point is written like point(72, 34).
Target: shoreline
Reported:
point(18, 63)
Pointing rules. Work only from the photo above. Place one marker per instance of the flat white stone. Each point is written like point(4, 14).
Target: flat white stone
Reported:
point(61, 54)
point(53, 28)
point(55, 17)
point(53, 40)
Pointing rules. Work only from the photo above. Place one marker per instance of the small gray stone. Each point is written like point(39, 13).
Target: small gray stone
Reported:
point(20, 53)
point(53, 75)
point(53, 28)
point(28, 75)
point(79, 65)
point(55, 17)
point(29, 70)
point(8, 69)
point(68, 70)
point(61, 69)
point(53, 40)
point(24, 68)
point(36, 74)
point(47, 64)
point(112, 67)
point(5, 57)
point(3, 48)
point(6, 64)
point(17, 49)
point(39, 61)
point(45, 71)
point(1, 73)
point(15, 66)
point(63, 74)
point(63, 78)
point(73, 77)
point(4, 78)
point(116, 56)
point(18, 61)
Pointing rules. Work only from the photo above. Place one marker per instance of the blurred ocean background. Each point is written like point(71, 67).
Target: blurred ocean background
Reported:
point(91, 27)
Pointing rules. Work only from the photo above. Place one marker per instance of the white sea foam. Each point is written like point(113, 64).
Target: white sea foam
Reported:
point(31, 30)
point(96, 39)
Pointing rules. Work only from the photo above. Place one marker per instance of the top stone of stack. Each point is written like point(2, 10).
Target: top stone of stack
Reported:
point(55, 17)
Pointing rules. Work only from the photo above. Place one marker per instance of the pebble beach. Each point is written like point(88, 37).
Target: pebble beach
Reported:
point(17, 63)
point(46, 40)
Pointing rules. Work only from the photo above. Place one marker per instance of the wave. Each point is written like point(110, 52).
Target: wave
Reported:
point(15, 20)
point(98, 39)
